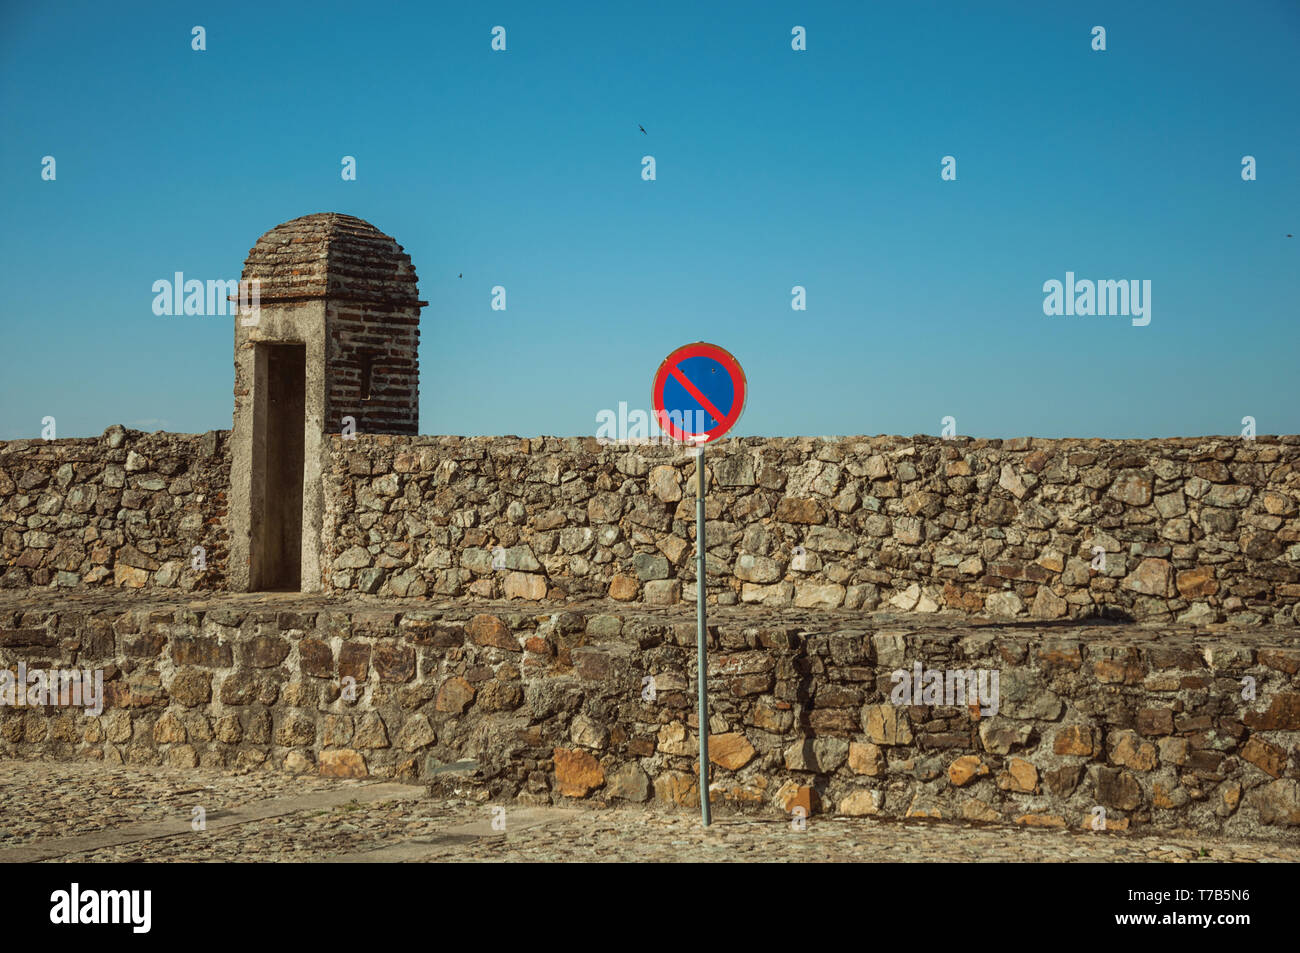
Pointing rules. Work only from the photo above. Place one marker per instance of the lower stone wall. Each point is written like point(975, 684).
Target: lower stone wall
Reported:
point(503, 701)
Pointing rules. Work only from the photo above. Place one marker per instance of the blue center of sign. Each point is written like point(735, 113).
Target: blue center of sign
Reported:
point(712, 381)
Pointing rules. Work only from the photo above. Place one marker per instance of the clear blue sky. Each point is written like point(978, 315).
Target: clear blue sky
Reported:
point(775, 168)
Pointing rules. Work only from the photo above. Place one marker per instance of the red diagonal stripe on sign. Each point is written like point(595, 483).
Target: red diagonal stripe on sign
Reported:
point(694, 391)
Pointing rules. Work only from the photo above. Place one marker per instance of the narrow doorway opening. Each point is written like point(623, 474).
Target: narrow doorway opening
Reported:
point(277, 550)
point(367, 360)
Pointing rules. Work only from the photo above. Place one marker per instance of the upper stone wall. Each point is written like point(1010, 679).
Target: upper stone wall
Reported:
point(1198, 529)
point(124, 509)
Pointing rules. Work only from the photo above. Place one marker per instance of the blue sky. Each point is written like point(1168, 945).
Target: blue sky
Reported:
point(775, 168)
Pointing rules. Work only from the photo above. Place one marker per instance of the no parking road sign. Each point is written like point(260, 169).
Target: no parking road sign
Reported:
point(698, 393)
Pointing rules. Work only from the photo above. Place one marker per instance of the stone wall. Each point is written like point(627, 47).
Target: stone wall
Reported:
point(1195, 530)
point(125, 509)
point(1156, 726)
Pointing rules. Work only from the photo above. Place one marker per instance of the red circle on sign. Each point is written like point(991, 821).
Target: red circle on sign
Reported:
point(666, 370)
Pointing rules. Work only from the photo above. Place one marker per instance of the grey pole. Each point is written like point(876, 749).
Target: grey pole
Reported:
point(701, 637)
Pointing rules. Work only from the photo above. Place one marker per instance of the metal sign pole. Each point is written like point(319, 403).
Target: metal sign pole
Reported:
point(699, 379)
point(701, 637)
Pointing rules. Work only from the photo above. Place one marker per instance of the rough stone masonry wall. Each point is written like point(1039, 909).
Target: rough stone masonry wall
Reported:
point(125, 509)
point(1194, 530)
point(1150, 724)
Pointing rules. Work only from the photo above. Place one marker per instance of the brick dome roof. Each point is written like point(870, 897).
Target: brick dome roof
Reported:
point(331, 255)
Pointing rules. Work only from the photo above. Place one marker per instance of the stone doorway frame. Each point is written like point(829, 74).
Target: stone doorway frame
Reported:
point(300, 324)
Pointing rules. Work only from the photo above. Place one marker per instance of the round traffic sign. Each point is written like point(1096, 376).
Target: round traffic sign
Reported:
point(698, 393)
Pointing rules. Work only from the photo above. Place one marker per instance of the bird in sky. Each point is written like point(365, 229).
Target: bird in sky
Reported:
point(1290, 236)
point(461, 275)
point(642, 128)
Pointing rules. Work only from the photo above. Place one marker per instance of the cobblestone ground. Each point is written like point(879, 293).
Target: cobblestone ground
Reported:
point(52, 812)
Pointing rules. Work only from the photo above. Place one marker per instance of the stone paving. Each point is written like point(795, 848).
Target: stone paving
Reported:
point(59, 811)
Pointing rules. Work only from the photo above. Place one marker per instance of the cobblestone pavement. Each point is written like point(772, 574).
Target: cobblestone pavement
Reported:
point(54, 811)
